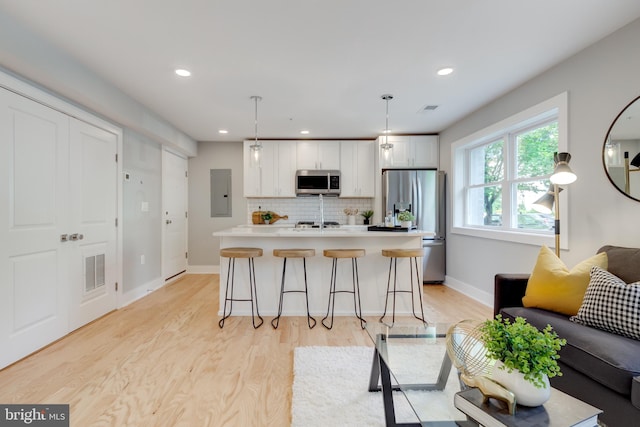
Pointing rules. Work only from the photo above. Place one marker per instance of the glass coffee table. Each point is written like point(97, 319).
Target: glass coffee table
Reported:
point(412, 358)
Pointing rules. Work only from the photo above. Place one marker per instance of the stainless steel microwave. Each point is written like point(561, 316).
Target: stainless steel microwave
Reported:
point(312, 182)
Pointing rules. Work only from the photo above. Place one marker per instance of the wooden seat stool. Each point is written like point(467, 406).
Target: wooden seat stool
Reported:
point(249, 254)
point(337, 254)
point(394, 254)
point(293, 253)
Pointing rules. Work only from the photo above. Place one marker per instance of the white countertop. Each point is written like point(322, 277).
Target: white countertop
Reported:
point(273, 230)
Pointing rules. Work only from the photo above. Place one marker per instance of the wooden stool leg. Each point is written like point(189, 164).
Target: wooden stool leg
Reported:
point(386, 299)
point(419, 293)
point(332, 294)
point(228, 297)
point(276, 320)
point(356, 290)
point(253, 290)
point(306, 295)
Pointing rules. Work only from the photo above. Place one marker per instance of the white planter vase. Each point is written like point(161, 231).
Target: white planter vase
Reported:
point(351, 220)
point(526, 393)
point(405, 224)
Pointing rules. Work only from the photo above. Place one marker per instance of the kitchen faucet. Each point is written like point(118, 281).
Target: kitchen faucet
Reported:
point(321, 212)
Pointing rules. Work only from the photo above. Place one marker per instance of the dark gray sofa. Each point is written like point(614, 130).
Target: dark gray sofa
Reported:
point(598, 367)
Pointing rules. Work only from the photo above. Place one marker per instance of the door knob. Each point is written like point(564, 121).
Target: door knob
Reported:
point(76, 236)
point(64, 237)
point(168, 221)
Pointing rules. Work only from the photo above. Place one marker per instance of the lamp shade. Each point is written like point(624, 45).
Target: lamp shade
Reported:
point(562, 174)
point(545, 203)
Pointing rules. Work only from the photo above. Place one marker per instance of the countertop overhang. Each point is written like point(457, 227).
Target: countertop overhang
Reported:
point(271, 231)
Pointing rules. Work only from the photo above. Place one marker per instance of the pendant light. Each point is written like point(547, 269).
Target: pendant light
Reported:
point(386, 146)
point(256, 147)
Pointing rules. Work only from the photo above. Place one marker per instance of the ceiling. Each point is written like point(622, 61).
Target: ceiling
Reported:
point(319, 65)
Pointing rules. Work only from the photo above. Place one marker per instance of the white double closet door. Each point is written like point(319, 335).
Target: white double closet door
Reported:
point(58, 235)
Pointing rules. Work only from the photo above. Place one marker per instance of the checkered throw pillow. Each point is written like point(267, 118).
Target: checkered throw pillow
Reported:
point(611, 305)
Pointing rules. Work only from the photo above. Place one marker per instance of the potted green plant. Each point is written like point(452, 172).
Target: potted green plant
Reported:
point(522, 349)
point(367, 216)
point(266, 217)
point(405, 218)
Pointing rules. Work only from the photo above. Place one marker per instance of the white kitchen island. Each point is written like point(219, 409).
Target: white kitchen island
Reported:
point(372, 268)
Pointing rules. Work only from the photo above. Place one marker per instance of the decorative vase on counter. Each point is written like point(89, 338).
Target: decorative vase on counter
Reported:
point(405, 224)
point(526, 393)
point(351, 220)
point(366, 221)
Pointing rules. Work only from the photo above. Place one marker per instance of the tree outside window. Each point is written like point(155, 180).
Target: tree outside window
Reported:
point(507, 174)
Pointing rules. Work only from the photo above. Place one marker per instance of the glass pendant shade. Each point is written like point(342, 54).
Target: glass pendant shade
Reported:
point(386, 146)
point(256, 147)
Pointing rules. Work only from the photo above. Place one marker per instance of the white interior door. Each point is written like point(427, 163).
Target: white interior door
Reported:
point(33, 215)
point(92, 241)
point(174, 200)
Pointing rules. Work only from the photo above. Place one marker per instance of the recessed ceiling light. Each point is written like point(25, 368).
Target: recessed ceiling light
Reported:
point(304, 132)
point(445, 71)
point(183, 73)
point(223, 131)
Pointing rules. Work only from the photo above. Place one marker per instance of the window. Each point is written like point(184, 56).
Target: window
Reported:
point(499, 172)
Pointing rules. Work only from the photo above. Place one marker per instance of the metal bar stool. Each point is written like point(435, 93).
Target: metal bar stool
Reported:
point(232, 254)
point(394, 254)
point(337, 254)
point(293, 253)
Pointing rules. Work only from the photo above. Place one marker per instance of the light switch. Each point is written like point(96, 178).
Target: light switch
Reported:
point(144, 206)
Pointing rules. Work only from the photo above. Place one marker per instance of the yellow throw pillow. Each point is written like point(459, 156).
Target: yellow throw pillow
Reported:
point(553, 287)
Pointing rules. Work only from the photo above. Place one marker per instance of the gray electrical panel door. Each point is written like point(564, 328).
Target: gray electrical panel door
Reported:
point(220, 192)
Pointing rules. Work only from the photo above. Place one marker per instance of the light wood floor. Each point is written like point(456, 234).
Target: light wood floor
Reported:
point(163, 361)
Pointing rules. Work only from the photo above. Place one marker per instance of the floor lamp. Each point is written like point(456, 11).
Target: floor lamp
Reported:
point(562, 175)
point(635, 162)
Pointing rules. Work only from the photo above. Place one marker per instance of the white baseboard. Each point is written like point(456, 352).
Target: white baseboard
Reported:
point(140, 291)
point(482, 297)
point(203, 269)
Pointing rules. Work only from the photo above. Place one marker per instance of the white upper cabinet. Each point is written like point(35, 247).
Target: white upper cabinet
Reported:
point(318, 155)
point(418, 151)
point(275, 174)
point(357, 172)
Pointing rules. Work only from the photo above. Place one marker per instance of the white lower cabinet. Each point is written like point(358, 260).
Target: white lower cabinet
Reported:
point(357, 168)
point(274, 174)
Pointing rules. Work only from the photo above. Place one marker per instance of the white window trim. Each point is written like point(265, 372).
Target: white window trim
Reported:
point(458, 148)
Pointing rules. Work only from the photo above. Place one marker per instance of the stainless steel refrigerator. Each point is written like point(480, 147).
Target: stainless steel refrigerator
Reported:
point(422, 191)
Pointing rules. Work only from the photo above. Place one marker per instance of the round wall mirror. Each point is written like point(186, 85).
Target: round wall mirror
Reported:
point(621, 151)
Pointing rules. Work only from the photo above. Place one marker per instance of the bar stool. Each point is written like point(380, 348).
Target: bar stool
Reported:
point(293, 253)
point(249, 254)
point(337, 254)
point(394, 254)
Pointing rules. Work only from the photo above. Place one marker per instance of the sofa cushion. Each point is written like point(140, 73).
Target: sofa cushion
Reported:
point(611, 305)
point(623, 262)
point(554, 287)
point(610, 359)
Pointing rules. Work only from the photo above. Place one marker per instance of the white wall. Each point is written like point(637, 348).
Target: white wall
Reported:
point(142, 162)
point(601, 81)
point(203, 247)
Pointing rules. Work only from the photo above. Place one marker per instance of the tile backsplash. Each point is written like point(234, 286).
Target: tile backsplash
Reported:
point(308, 208)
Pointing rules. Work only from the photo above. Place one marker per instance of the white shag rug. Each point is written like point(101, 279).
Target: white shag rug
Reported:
point(330, 387)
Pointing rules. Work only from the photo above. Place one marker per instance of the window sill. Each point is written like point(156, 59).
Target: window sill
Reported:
point(532, 238)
